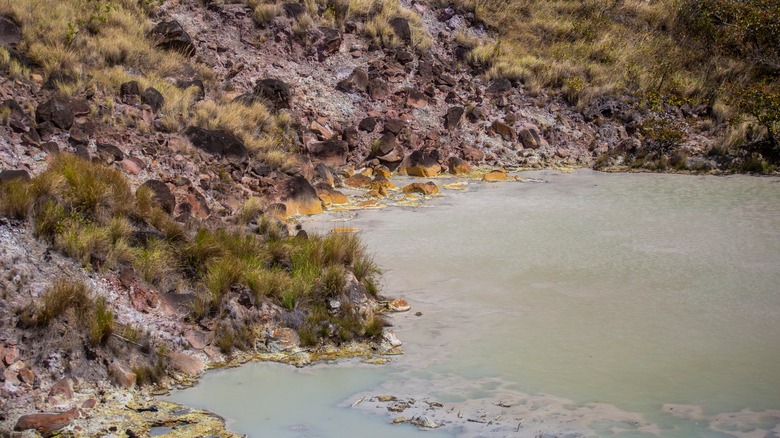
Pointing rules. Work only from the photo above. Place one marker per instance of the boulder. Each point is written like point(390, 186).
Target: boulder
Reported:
point(57, 111)
point(324, 174)
point(368, 124)
point(328, 195)
point(332, 152)
point(274, 91)
point(293, 10)
point(428, 188)
point(121, 375)
point(129, 91)
point(46, 424)
point(153, 98)
point(419, 163)
point(498, 86)
point(475, 114)
point(358, 180)
point(399, 305)
point(356, 81)
point(11, 174)
point(384, 145)
point(187, 364)
point(169, 35)
point(161, 194)
point(495, 175)
point(216, 143)
point(109, 153)
point(457, 166)
point(322, 131)
point(282, 339)
point(329, 42)
point(393, 126)
point(80, 133)
point(10, 34)
point(453, 116)
point(383, 171)
point(61, 392)
point(377, 89)
point(502, 129)
point(300, 198)
point(530, 138)
point(416, 99)
point(351, 136)
point(401, 28)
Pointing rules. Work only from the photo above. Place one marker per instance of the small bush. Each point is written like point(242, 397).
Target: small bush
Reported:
point(101, 323)
point(62, 295)
point(16, 199)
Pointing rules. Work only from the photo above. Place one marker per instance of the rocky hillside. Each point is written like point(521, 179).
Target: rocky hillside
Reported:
point(154, 154)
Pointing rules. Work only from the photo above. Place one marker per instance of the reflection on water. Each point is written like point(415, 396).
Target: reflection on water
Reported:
point(593, 304)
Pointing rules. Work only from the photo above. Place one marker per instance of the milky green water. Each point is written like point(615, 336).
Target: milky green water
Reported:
point(591, 305)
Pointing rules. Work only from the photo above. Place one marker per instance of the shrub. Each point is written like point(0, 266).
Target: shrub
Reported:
point(16, 199)
point(101, 323)
point(62, 295)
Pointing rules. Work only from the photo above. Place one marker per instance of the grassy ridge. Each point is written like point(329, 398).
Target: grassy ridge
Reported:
point(664, 53)
point(89, 212)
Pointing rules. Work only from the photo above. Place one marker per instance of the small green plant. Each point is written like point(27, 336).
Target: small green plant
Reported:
point(101, 323)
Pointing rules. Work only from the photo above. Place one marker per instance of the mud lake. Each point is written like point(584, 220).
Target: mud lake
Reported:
point(589, 304)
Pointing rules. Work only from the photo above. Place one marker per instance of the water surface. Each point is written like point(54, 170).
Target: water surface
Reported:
point(591, 304)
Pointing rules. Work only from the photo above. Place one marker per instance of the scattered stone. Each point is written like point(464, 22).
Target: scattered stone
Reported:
point(61, 392)
point(187, 364)
point(384, 145)
point(130, 91)
point(502, 129)
point(80, 133)
point(294, 10)
point(170, 35)
point(416, 99)
point(216, 142)
point(11, 174)
point(399, 305)
point(358, 180)
point(425, 422)
point(276, 92)
point(401, 28)
point(457, 166)
point(357, 81)
point(368, 124)
point(453, 117)
point(329, 42)
point(161, 194)
point(428, 188)
point(328, 195)
point(153, 98)
point(321, 130)
point(382, 171)
point(10, 34)
point(46, 424)
point(196, 338)
point(421, 164)
point(498, 86)
point(300, 198)
point(393, 126)
point(121, 375)
point(495, 175)
point(404, 57)
point(57, 111)
point(529, 137)
point(377, 89)
point(109, 153)
point(332, 152)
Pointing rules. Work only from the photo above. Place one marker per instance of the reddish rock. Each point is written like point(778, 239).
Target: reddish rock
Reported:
point(331, 152)
point(170, 35)
point(321, 130)
point(428, 188)
point(503, 130)
point(46, 424)
point(416, 99)
point(161, 194)
point(197, 339)
point(530, 138)
point(187, 364)
point(421, 164)
point(495, 175)
point(275, 92)
point(300, 198)
point(399, 305)
point(329, 42)
point(457, 166)
point(56, 111)
point(61, 392)
point(453, 117)
point(358, 180)
point(132, 165)
point(368, 124)
point(121, 375)
point(357, 81)
point(377, 89)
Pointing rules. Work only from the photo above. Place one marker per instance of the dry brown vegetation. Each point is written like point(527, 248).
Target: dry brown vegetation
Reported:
point(89, 212)
point(661, 52)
